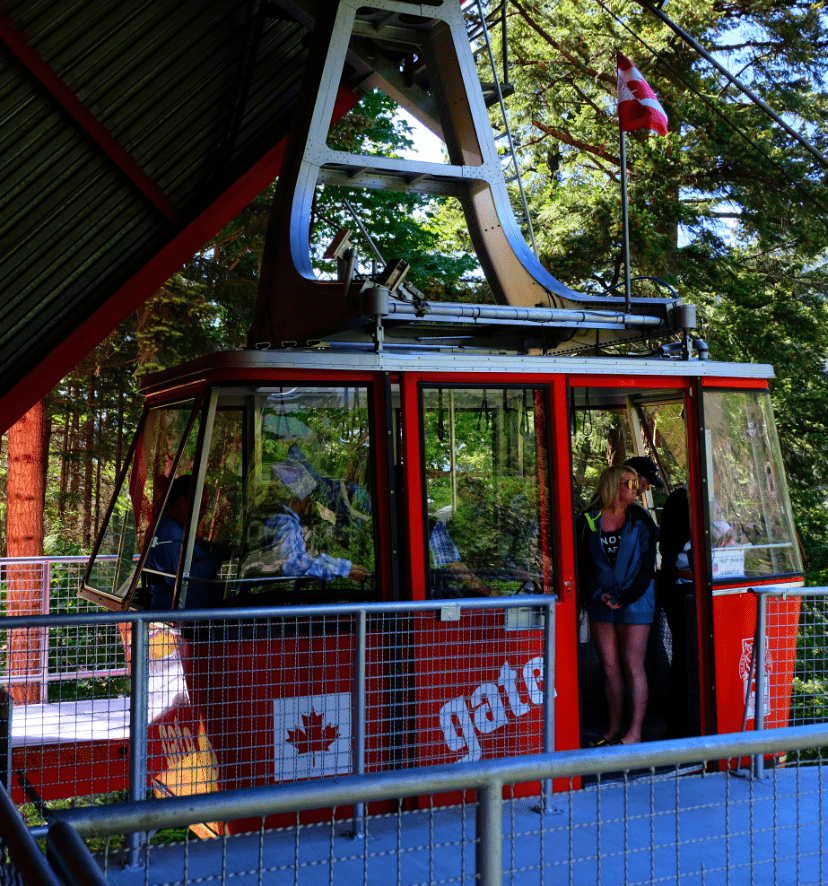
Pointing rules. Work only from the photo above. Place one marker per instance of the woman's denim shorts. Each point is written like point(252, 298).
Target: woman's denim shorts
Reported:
point(641, 612)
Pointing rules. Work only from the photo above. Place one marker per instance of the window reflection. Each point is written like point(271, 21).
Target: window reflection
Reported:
point(751, 527)
point(160, 437)
point(306, 529)
point(488, 525)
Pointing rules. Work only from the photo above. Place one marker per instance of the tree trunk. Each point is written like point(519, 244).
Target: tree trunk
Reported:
point(25, 539)
point(64, 469)
point(119, 451)
point(88, 466)
point(74, 467)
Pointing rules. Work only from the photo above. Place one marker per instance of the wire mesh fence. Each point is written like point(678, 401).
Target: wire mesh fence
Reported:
point(62, 663)
point(246, 698)
point(643, 815)
point(808, 662)
point(242, 700)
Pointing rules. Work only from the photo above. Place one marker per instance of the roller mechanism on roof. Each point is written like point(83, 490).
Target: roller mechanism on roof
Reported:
point(534, 311)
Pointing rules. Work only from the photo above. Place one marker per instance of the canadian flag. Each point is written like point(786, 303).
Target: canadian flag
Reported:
point(638, 108)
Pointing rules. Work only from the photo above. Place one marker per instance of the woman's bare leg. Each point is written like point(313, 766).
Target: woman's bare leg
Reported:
point(633, 648)
point(606, 642)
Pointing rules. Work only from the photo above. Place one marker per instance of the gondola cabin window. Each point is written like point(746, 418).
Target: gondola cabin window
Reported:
point(307, 510)
point(166, 437)
point(750, 523)
point(245, 495)
point(486, 488)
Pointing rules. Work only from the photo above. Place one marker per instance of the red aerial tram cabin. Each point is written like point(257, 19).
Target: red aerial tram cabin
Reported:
point(387, 423)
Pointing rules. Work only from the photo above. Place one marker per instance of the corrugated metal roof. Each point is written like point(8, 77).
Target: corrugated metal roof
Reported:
point(121, 124)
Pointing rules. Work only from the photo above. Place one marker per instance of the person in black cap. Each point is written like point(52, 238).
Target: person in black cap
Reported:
point(674, 583)
point(647, 473)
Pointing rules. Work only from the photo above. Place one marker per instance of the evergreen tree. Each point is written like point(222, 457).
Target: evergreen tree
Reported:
point(727, 208)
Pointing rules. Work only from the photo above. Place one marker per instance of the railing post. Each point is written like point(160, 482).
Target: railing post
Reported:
point(6, 704)
point(759, 703)
point(45, 608)
point(21, 860)
point(138, 712)
point(360, 677)
point(548, 698)
point(70, 856)
point(489, 848)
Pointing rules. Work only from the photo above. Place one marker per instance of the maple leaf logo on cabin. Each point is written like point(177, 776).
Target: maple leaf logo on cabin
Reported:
point(314, 738)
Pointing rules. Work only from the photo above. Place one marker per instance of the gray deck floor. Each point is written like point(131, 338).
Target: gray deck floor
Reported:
point(696, 829)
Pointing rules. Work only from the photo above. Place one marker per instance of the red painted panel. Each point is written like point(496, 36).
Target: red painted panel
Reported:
point(281, 706)
point(735, 626)
point(752, 383)
point(478, 691)
point(58, 771)
point(567, 708)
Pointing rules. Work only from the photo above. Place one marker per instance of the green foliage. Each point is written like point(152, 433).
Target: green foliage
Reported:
point(727, 208)
point(402, 225)
point(32, 816)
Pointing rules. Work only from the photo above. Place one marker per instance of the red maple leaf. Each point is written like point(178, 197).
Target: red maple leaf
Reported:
point(314, 738)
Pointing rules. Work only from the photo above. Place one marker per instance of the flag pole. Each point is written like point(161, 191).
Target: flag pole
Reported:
point(638, 108)
point(625, 222)
point(625, 216)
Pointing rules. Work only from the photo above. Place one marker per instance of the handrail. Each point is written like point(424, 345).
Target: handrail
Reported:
point(21, 848)
point(248, 613)
point(69, 855)
point(789, 590)
point(346, 790)
point(75, 558)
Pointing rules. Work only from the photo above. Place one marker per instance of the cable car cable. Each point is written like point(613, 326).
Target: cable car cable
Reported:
point(823, 218)
point(693, 44)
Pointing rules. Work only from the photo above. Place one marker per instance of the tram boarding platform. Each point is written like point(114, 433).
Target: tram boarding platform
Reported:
point(689, 829)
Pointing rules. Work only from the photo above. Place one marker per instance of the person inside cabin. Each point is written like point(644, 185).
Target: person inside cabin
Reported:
point(616, 556)
point(284, 536)
point(674, 584)
point(161, 564)
point(348, 501)
point(453, 577)
point(647, 473)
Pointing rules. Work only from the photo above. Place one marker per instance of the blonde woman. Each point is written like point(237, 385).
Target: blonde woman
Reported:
point(616, 558)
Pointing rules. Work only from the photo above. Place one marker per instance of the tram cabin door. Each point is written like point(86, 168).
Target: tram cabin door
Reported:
point(609, 426)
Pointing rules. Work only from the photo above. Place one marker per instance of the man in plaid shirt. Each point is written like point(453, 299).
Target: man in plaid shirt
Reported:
point(444, 555)
point(288, 539)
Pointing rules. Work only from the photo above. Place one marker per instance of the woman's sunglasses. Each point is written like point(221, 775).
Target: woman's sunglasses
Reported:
point(630, 484)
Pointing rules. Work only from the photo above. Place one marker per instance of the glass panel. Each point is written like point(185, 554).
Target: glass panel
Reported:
point(208, 563)
point(305, 527)
point(220, 512)
point(487, 491)
point(122, 539)
point(751, 527)
point(601, 436)
point(611, 425)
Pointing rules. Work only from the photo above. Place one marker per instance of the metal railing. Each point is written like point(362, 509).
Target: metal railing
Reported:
point(49, 586)
point(343, 688)
point(795, 672)
point(642, 821)
point(131, 739)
